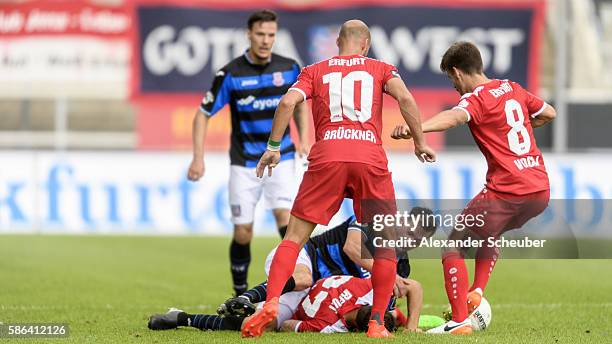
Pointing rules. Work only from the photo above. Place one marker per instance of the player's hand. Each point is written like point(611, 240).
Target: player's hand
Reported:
point(196, 169)
point(401, 132)
point(270, 160)
point(424, 153)
point(304, 150)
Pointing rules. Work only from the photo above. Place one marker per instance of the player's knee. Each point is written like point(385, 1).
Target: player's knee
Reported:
point(243, 233)
point(415, 286)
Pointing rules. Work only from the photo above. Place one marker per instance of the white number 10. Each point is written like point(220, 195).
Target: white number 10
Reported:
point(342, 95)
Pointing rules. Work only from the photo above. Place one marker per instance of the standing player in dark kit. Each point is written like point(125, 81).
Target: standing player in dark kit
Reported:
point(501, 116)
point(347, 159)
point(253, 85)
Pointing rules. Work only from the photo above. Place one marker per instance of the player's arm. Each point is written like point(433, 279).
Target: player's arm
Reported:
point(352, 247)
point(300, 116)
point(441, 122)
point(544, 117)
point(213, 101)
point(396, 88)
point(414, 296)
point(290, 325)
point(282, 116)
point(301, 326)
point(198, 136)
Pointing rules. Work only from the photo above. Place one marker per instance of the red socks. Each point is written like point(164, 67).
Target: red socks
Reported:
point(282, 267)
point(383, 280)
point(486, 257)
point(456, 284)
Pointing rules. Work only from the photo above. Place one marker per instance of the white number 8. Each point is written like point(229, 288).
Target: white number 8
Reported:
point(519, 148)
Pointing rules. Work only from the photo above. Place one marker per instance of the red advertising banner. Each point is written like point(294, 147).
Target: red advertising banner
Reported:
point(65, 48)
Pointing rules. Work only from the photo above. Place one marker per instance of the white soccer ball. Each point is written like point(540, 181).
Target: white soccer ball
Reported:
point(481, 316)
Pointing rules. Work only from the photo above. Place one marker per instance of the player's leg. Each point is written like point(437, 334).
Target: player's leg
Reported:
point(456, 279)
point(502, 215)
point(240, 256)
point(281, 215)
point(244, 305)
point(175, 318)
point(373, 194)
point(244, 192)
point(279, 192)
point(319, 198)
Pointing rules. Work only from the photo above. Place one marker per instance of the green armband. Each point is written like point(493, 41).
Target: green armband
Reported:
point(273, 146)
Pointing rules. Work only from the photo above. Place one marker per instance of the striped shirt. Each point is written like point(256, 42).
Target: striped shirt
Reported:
point(253, 92)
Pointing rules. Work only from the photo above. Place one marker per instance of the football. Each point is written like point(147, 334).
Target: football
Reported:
point(481, 316)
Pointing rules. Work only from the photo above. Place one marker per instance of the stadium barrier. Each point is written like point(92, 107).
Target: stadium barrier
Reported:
point(147, 193)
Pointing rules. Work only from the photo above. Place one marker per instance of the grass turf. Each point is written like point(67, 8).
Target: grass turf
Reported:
point(105, 288)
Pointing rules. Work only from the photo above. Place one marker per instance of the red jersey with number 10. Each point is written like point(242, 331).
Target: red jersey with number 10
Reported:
point(347, 97)
point(499, 115)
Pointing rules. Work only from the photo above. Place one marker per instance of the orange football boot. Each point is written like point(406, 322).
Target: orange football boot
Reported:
point(377, 331)
point(256, 325)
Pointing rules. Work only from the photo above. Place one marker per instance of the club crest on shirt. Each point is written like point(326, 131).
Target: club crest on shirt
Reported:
point(208, 98)
point(277, 79)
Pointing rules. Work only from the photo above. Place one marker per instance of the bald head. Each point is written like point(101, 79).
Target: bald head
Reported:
point(354, 38)
point(354, 31)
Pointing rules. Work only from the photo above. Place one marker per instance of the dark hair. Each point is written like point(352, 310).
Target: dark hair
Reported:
point(426, 213)
point(261, 16)
point(464, 56)
point(363, 317)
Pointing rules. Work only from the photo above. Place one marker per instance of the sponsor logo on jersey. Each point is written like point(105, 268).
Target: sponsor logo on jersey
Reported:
point(277, 79)
point(265, 104)
point(527, 162)
point(350, 134)
point(249, 82)
point(395, 74)
point(245, 101)
point(220, 73)
point(208, 98)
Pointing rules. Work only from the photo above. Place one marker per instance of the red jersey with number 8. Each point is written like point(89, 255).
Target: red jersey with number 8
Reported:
point(499, 115)
point(347, 97)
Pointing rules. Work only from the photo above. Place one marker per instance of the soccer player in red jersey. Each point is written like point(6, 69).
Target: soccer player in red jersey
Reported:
point(347, 159)
point(501, 116)
point(334, 305)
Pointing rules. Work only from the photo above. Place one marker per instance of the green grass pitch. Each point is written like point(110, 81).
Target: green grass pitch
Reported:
point(106, 287)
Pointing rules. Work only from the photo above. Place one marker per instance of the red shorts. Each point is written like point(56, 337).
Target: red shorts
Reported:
point(325, 185)
point(503, 212)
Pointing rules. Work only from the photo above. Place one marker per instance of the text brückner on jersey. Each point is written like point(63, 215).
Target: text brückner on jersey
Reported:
point(350, 134)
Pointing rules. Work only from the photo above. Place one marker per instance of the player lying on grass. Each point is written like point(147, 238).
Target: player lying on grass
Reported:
point(334, 304)
point(501, 116)
point(322, 257)
point(343, 250)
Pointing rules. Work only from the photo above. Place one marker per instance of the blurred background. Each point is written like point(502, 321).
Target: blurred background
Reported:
point(97, 99)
